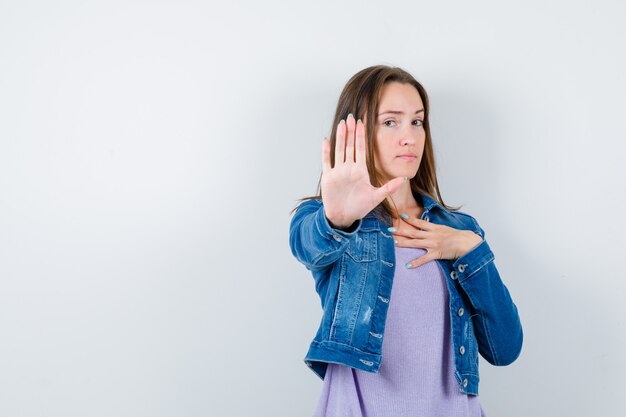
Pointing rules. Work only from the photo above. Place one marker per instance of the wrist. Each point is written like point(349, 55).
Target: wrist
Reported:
point(346, 227)
point(468, 240)
point(336, 222)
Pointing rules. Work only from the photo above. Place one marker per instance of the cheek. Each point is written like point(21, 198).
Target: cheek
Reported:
point(380, 140)
point(378, 156)
point(383, 147)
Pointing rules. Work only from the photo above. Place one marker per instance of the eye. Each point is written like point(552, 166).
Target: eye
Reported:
point(420, 122)
point(388, 121)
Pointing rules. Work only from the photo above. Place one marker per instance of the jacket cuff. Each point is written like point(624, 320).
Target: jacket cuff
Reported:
point(327, 231)
point(473, 261)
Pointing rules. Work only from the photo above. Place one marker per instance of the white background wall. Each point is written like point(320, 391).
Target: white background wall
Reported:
point(150, 153)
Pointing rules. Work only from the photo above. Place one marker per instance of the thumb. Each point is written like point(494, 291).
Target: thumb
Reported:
point(390, 188)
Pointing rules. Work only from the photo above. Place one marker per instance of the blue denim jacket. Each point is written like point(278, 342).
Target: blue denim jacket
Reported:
point(353, 273)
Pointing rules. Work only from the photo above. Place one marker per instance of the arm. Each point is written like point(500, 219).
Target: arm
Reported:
point(497, 323)
point(348, 196)
point(313, 241)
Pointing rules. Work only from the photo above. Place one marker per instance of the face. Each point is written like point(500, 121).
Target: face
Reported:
point(399, 134)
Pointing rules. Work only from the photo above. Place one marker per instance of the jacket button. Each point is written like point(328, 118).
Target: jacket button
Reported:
point(462, 268)
point(453, 274)
point(462, 350)
point(465, 383)
point(460, 311)
point(337, 238)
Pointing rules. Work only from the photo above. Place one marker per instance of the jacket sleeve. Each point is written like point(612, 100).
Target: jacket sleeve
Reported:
point(313, 241)
point(497, 324)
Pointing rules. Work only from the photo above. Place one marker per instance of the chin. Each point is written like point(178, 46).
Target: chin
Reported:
point(410, 175)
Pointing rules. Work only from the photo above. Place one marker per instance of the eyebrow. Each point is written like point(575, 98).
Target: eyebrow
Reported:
point(397, 112)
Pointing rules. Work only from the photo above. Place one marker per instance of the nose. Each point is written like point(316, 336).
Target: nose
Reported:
point(408, 138)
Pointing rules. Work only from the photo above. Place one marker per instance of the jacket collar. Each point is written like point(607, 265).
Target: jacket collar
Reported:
point(428, 203)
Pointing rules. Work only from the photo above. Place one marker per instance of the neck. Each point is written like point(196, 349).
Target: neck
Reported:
point(404, 202)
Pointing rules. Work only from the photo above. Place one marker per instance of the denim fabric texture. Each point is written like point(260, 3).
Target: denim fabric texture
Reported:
point(353, 273)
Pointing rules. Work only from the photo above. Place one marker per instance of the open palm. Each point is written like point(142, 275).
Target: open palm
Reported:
point(347, 192)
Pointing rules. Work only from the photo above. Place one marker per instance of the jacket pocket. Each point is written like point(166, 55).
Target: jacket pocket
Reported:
point(472, 341)
point(363, 246)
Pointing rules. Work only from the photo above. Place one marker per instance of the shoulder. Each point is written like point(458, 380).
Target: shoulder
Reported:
point(463, 216)
point(308, 209)
point(461, 220)
point(312, 204)
point(468, 221)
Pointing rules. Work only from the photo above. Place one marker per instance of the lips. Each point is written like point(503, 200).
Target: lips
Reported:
point(407, 156)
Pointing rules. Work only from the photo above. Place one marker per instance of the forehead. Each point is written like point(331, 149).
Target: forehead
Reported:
point(399, 96)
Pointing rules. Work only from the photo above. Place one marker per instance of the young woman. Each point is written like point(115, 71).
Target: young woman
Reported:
point(411, 348)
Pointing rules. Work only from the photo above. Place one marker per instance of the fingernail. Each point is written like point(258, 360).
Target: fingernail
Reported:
point(342, 121)
point(407, 266)
point(404, 180)
point(392, 229)
point(350, 115)
point(395, 241)
point(404, 216)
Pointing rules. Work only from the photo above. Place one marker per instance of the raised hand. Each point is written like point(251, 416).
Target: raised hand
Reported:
point(347, 192)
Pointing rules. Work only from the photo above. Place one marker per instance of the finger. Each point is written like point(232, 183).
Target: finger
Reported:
point(415, 263)
point(340, 143)
point(418, 223)
point(351, 128)
point(391, 187)
point(411, 233)
point(404, 242)
point(325, 155)
point(359, 155)
point(350, 142)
